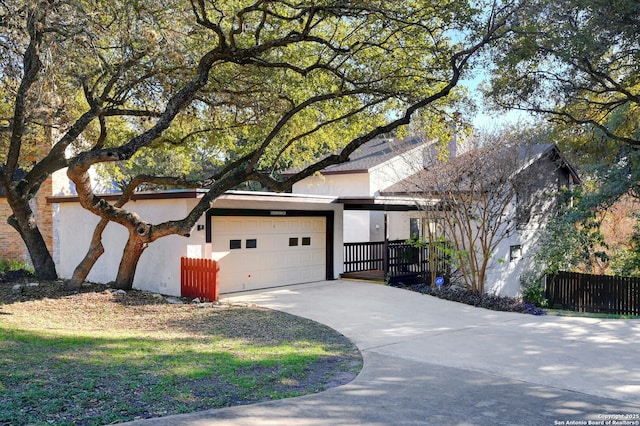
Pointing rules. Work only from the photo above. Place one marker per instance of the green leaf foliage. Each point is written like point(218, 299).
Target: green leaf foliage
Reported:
point(576, 62)
point(221, 93)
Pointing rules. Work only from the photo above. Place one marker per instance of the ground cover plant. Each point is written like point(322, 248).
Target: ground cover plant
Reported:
point(475, 298)
point(98, 357)
point(498, 303)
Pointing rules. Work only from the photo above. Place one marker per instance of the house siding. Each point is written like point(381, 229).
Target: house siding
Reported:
point(546, 179)
point(159, 267)
point(361, 223)
point(352, 184)
point(395, 169)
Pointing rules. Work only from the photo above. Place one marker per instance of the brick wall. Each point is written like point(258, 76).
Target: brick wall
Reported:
point(11, 245)
point(44, 213)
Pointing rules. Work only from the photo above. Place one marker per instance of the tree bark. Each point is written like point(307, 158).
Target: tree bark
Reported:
point(23, 220)
point(96, 249)
point(130, 257)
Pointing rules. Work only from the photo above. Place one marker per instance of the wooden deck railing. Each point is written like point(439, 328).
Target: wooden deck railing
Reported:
point(401, 259)
point(364, 256)
point(406, 259)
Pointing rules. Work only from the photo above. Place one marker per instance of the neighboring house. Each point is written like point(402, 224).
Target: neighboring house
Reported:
point(12, 247)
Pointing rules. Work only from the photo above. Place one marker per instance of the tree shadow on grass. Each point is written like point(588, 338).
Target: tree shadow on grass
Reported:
point(88, 379)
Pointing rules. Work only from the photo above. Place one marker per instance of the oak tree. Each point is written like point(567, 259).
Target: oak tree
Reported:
point(576, 62)
point(260, 84)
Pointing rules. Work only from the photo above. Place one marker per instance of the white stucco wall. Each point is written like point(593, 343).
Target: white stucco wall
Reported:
point(376, 226)
point(356, 226)
point(396, 169)
point(399, 224)
point(352, 184)
point(363, 226)
point(503, 273)
point(159, 267)
point(544, 179)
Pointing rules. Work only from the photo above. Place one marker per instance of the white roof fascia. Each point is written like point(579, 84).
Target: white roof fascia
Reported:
point(276, 196)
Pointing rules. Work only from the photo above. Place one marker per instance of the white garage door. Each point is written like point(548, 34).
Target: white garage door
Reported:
point(261, 252)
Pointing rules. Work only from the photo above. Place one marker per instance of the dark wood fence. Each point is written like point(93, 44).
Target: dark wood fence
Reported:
point(405, 262)
point(199, 278)
point(594, 293)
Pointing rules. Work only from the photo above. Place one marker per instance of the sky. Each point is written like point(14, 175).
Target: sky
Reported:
point(490, 120)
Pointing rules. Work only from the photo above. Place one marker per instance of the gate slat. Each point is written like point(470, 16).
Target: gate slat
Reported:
point(594, 293)
point(199, 278)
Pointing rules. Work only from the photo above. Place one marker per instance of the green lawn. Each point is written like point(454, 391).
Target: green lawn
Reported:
point(172, 359)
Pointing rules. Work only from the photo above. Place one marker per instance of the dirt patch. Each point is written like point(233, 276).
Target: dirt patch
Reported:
point(47, 306)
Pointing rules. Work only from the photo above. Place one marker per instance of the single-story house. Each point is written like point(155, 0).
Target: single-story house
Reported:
point(259, 239)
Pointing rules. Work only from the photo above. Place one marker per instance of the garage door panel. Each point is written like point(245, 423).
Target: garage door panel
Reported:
point(288, 250)
point(234, 227)
point(294, 227)
point(251, 226)
point(278, 226)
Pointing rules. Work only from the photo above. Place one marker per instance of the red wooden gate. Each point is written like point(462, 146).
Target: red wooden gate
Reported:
point(199, 278)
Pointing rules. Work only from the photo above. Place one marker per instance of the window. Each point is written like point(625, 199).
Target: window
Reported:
point(293, 241)
point(515, 253)
point(414, 228)
point(523, 207)
point(426, 228)
point(235, 244)
point(306, 241)
point(251, 243)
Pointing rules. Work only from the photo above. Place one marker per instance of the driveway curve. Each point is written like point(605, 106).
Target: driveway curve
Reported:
point(430, 361)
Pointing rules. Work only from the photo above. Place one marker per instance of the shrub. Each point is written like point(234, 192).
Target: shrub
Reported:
point(533, 289)
point(13, 270)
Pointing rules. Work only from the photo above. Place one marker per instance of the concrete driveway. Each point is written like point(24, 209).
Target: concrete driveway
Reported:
point(430, 361)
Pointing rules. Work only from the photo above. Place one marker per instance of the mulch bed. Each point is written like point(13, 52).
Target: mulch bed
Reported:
point(483, 300)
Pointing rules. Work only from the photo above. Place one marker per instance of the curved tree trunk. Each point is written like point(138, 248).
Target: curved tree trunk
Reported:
point(96, 249)
point(130, 257)
point(23, 221)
